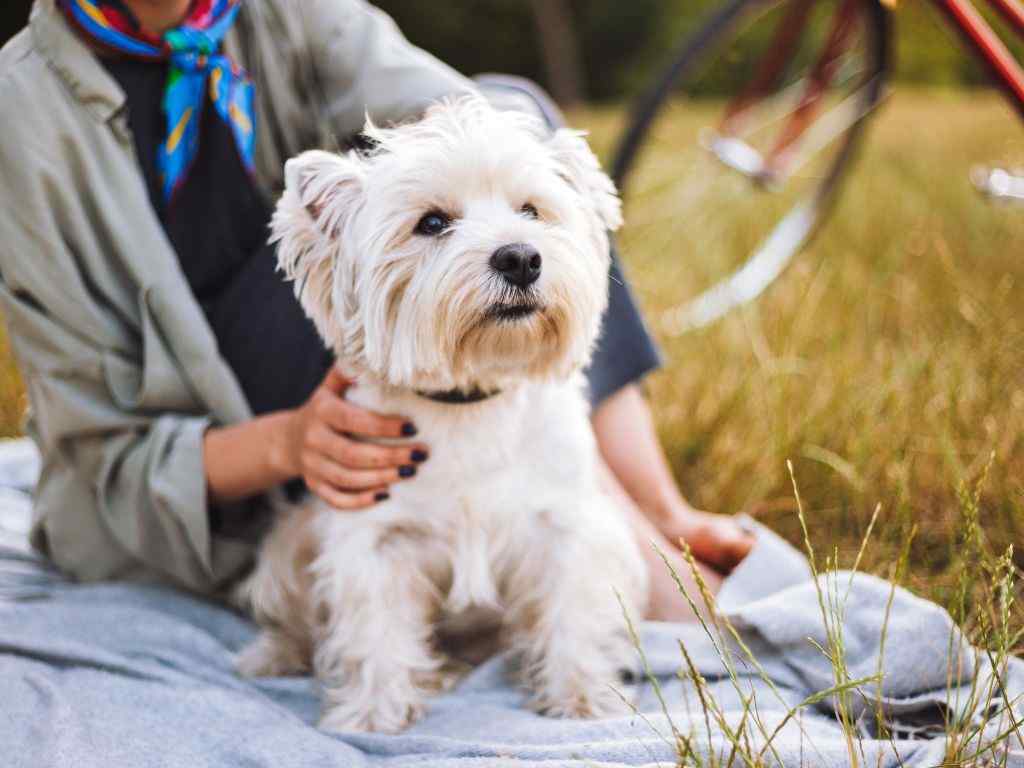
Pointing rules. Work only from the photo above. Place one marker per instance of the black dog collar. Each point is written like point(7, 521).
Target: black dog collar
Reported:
point(459, 397)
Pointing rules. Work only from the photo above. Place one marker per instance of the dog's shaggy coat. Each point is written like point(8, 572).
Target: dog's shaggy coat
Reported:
point(507, 513)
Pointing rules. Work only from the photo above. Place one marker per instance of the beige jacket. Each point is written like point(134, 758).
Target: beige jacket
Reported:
point(122, 370)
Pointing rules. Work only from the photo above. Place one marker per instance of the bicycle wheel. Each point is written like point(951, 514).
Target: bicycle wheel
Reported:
point(733, 157)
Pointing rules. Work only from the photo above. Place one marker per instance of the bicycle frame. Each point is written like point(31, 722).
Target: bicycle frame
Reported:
point(982, 39)
point(784, 156)
point(961, 14)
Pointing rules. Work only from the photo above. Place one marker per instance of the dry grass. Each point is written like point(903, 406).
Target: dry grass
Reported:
point(887, 363)
point(12, 390)
point(982, 726)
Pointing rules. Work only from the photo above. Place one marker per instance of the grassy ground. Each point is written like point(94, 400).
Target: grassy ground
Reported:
point(887, 363)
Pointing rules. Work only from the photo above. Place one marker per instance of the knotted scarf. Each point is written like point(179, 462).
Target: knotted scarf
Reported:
point(196, 66)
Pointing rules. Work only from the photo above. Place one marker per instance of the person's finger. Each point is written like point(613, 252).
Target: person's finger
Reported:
point(360, 455)
point(335, 381)
point(343, 416)
point(346, 479)
point(348, 502)
point(347, 452)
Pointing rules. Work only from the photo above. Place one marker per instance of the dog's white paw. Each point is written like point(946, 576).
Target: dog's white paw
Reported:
point(389, 709)
point(271, 656)
point(579, 690)
point(379, 717)
point(582, 703)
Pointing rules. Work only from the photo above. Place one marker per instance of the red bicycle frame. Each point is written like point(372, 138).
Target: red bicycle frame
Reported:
point(983, 40)
point(961, 14)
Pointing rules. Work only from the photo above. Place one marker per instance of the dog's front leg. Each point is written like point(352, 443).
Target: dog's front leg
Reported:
point(378, 601)
point(565, 622)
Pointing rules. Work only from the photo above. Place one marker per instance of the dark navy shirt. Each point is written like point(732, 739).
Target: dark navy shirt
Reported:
point(217, 222)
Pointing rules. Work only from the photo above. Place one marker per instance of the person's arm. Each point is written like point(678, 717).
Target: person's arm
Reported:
point(122, 482)
point(365, 66)
point(629, 445)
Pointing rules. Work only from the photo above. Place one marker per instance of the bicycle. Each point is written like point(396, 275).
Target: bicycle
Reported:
point(804, 77)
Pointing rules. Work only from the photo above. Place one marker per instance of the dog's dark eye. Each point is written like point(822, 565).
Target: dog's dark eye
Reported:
point(530, 211)
point(433, 224)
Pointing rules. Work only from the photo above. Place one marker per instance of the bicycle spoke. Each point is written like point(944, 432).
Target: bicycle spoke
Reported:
point(769, 110)
point(821, 76)
point(823, 132)
point(750, 281)
point(766, 111)
point(783, 45)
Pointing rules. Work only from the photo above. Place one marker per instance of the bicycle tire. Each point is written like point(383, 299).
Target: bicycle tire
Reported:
point(690, 56)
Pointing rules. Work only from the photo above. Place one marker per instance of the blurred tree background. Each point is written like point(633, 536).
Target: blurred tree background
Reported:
point(602, 50)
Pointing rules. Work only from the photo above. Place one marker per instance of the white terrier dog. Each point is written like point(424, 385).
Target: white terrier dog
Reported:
point(467, 252)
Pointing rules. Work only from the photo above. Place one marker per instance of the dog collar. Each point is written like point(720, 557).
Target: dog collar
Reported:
point(458, 396)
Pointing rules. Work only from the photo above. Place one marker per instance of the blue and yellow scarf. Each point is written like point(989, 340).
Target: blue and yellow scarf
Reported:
point(193, 52)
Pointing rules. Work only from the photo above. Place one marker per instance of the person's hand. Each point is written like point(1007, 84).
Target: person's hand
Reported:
point(717, 540)
point(321, 446)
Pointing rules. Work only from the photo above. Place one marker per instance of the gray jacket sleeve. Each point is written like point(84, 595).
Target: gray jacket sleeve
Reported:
point(123, 486)
point(364, 66)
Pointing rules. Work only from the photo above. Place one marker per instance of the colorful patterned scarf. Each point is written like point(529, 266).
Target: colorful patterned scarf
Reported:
point(193, 50)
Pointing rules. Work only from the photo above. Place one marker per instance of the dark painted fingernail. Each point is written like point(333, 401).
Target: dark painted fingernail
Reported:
point(418, 456)
point(382, 496)
point(409, 429)
point(407, 471)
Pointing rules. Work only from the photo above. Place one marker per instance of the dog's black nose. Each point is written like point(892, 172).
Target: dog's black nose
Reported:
point(518, 263)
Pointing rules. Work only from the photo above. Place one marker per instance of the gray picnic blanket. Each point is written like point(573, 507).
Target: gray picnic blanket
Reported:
point(112, 675)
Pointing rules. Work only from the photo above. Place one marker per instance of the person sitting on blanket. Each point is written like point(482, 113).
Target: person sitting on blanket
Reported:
point(173, 378)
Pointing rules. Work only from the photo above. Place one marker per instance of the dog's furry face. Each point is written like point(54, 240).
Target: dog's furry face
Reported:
point(395, 252)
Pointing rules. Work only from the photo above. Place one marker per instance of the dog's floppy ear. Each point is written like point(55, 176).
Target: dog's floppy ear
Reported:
point(322, 192)
point(327, 185)
point(580, 168)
